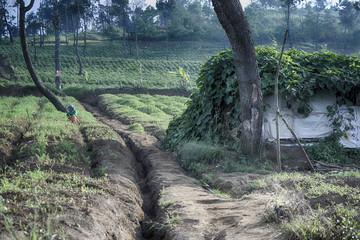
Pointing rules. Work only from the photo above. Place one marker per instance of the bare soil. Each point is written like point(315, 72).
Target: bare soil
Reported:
point(149, 196)
point(202, 214)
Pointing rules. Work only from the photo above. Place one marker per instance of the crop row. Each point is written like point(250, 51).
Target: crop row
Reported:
point(50, 165)
point(153, 112)
point(101, 71)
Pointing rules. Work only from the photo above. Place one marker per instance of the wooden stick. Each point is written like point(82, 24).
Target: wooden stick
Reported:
point(297, 140)
point(276, 94)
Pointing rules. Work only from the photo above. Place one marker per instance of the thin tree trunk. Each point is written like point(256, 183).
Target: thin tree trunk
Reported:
point(288, 25)
point(45, 91)
point(34, 43)
point(167, 41)
point(85, 28)
point(232, 17)
point(124, 40)
point(6, 23)
point(42, 26)
point(136, 43)
point(67, 25)
point(76, 43)
point(74, 33)
point(56, 23)
point(276, 95)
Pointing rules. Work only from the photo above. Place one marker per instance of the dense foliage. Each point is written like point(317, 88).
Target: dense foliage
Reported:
point(213, 112)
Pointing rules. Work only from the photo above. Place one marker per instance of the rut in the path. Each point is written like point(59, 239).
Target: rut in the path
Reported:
point(202, 214)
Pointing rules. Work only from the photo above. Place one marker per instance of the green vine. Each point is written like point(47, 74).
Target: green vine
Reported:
point(213, 111)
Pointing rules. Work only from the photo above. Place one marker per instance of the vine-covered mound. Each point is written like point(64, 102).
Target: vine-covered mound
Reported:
point(213, 111)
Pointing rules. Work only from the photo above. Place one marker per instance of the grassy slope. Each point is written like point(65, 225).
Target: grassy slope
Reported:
point(50, 170)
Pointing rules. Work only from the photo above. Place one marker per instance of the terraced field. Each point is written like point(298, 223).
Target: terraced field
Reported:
point(104, 64)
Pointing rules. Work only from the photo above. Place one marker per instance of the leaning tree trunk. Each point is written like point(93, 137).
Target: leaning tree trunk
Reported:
point(232, 17)
point(45, 91)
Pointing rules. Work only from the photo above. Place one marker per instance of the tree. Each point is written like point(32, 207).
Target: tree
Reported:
point(3, 17)
point(147, 23)
point(119, 9)
point(34, 25)
point(348, 15)
point(45, 91)
point(64, 8)
point(57, 28)
point(75, 10)
point(288, 4)
point(232, 17)
point(166, 7)
point(136, 7)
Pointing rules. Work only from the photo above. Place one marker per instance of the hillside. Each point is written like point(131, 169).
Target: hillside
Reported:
point(108, 176)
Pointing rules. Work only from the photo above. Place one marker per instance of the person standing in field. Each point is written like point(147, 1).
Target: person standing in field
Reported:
point(72, 114)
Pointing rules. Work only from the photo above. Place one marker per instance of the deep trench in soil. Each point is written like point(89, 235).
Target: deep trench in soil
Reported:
point(148, 229)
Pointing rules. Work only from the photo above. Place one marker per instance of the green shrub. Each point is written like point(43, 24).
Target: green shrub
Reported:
point(213, 112)
point(199, 158)
point(331, 151)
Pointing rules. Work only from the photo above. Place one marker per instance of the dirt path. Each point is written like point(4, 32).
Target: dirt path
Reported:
point(202, 214)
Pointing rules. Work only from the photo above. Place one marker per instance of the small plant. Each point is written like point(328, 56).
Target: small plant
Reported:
point(219, 193)
point(183, 76)
point(168, 222)
point(167, 204)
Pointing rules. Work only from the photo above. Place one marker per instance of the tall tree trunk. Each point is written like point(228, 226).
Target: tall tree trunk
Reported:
point(76, 39)
point(167, 40)
point(45, 91)
point(124, 30)
point(7, 23)
point(34, 43)
point(42, 25)
point(232, 17)
point(67, 25)
point(136, 43)
point(85, 28)
point(290, 39)
point(56, 23)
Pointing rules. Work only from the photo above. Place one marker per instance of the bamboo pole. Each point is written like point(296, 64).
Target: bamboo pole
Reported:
point(297, 140)
point(276, 94)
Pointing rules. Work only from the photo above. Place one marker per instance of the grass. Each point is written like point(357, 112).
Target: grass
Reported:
point(107, 68)
point(152, 112)
point(167, 204)
point(43, 140)
point(314, 206)
point(46, 140)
